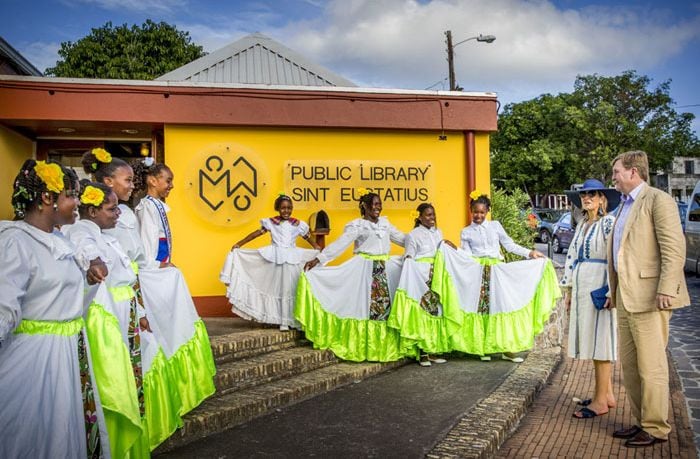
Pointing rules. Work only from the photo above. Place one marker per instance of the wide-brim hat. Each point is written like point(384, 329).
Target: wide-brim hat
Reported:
point(611, 194)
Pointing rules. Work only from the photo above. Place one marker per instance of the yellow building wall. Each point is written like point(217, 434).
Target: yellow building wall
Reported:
point(14, 151)
point(200, 246)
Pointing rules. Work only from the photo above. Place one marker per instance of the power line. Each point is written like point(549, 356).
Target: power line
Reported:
point(436, 83)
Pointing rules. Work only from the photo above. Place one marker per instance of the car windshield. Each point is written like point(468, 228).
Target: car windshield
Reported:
point(550, 215)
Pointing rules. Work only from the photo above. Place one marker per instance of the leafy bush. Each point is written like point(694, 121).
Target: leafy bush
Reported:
point(507, 208)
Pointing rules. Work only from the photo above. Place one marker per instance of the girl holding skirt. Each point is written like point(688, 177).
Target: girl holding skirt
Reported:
point(516, 298)
point(114, 321)
point(345, 308)
point(176, 326)
point(418, 312)
point(49, 406)
point(261, 284)
point(176, 355)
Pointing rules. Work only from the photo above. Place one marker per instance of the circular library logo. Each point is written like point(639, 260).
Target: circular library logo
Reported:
point(225, 184)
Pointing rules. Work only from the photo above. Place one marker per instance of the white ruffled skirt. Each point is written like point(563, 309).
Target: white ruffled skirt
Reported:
point(262, 283)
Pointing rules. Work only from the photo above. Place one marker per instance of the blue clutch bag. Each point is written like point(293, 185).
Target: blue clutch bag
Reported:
point(599, 297)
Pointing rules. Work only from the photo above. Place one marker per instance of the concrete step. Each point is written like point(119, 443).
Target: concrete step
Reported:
point(264, 368)
point(242, 344)
point(222, 412)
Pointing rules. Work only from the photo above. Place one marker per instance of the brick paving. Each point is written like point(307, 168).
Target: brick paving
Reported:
point(549, 430)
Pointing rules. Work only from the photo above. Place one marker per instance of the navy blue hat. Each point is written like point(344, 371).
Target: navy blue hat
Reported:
point(611, 194)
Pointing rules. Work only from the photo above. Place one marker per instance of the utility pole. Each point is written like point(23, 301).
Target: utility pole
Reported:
point(451, 57)
point(451, 60)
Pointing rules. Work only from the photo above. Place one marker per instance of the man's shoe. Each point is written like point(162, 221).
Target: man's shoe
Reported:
point(627, 433)
point(643, 439)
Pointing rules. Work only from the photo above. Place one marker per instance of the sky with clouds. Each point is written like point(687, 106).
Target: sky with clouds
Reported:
point(541, 45)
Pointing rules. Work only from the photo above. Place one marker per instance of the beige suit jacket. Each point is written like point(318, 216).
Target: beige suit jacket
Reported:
point(651, 254)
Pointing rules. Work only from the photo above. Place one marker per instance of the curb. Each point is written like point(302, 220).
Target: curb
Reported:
point(483, 430)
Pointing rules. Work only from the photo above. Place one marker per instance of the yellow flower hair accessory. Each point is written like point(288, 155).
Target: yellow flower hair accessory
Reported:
point(92, 196)
point(102, 155)
point(475, 194)
point(51, 174)
point(281, 194)
point(362, 191)
point(415, 214)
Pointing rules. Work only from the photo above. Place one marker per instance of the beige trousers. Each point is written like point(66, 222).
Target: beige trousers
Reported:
point(643, 339)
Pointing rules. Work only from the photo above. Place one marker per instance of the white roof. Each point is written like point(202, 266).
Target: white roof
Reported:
point(256, 59)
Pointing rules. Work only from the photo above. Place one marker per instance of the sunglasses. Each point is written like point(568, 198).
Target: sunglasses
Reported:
point(590, 194)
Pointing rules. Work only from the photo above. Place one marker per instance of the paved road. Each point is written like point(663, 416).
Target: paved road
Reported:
point(398, 414)
point(684, 343)
point(557, 258)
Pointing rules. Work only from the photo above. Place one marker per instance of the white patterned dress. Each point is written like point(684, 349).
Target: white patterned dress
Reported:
point(592, 333)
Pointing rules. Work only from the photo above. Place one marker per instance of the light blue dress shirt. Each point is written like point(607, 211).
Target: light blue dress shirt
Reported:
point(627, 201)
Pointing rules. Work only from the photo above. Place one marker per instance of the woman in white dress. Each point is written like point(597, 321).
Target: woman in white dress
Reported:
point(47, 400)
point(345, 308)
point(516, 298)
point(113, 321)
point(262, 284)
point(592, 329)
point(418, 312)
point(172, 314)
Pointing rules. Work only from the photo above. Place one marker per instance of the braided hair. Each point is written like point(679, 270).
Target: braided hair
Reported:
point(483, 199)
point(280, 198)
point(28, 186)
point(366, 199)
point(98, 169)
point(420, 209)
point(142, 171)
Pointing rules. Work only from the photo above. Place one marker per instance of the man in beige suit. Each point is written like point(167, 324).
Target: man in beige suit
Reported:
point(645, 264)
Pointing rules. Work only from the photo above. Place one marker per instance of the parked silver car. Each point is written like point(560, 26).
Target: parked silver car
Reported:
point(692, 233)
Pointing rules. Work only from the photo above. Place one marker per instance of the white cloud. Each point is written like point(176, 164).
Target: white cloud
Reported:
point(40, 54)
point(401, 43)
point(151, 6)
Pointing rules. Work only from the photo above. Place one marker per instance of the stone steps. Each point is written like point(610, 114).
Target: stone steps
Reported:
point(239, 345)
point(259, 370)
point(264, 368)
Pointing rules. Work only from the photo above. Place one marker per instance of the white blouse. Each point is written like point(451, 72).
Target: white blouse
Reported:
point(369, 238)
point(127, 232)
point(484, 240)
point(423, 242)
point(284, 241)
point(151, 227)
point(91, 243)
point(39, 278)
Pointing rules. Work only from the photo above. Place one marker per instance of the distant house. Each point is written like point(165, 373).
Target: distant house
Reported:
point(13, 63)
point(256, 59)
point(680, 178)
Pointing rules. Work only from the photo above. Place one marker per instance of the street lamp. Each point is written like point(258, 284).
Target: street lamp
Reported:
point(450, 53)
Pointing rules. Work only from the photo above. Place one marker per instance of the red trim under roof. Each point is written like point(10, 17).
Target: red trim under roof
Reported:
point(24, 99)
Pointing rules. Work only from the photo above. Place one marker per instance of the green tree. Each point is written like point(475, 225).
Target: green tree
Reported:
point(123, 52)
point(507, 208)
point(550, 142)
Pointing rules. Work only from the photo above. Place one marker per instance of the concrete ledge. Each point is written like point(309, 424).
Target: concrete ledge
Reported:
point(483, 430)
